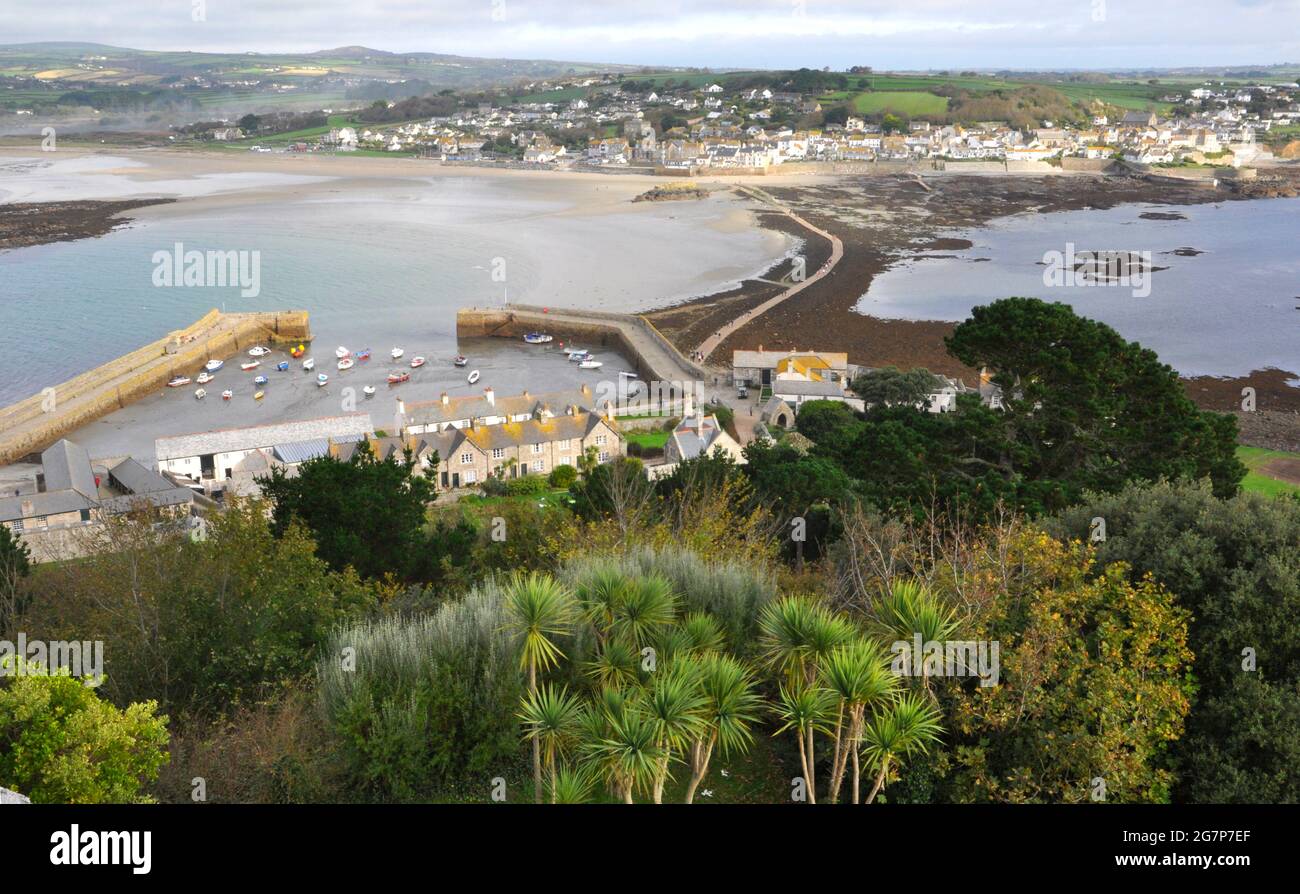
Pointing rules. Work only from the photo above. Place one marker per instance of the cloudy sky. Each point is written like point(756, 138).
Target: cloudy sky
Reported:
point(901, 34)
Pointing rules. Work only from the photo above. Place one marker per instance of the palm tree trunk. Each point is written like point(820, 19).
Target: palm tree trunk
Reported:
point(803, 759)
point(812, 767)
point(537, 745)
point(880, 780)
point(837, 764)
point(660, 778)
point(552, 763)
point(700, 755)
point(857, 775)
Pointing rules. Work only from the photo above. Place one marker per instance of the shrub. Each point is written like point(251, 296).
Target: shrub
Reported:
point(418, 703)
point(527, 486)
point(563, 476)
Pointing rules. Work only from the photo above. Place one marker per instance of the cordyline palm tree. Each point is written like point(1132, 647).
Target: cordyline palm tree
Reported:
point(909, 608)
point(807, 711)
point(909, 725)
point(551, 720)
point(538, 609)
point(795, 636)
point(731, 707)
point(615, 665)
point(858, 675)
point(674, 704)
point(601, 593)
point(627, 754)
point(647, 606)
point(573, 785)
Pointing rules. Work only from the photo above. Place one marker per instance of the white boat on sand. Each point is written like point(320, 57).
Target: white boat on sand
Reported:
point(322, 380)
point(473, 377)
point(590, 364)
point(341, 352)
point(396, 353)
point(214, 365)
point(200, 394)
point(346, 363)
point(309, 363)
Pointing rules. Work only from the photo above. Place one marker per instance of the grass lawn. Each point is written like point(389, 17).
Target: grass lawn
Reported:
point(655, 439)
point(551, 498)
point(1259, 481)
point(905, 102)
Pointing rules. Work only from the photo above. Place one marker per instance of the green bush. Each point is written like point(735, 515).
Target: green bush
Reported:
point(527, 486)
point(563, 476)
point(425, 701)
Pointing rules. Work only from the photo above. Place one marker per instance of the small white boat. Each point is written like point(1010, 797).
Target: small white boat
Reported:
point(227, 394)
point(460, 360)
point(200, 394)
point(322, 380)
point(590, 364)
point(250, 364)
point(178, 381)
point(258, 351)
point(204, 378)
point(417, 362)
point(538, 338)
point(575, 352)
point(214, 365)
point(347, 363)
point(473, 377)
point(396, 353)
point(368, 391)
point(309, 363)
point(578, 358)
point(341, 352)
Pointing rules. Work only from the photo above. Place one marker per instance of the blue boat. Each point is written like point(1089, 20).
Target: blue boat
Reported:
point(282, 365)
point(260, 380)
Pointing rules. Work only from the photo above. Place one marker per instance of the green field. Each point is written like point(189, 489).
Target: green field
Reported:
point(647, 439)
point(1258, 482)
point(901, 102)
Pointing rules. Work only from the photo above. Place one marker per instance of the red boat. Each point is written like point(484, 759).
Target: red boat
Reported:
point(396, 378)
point(298, 351)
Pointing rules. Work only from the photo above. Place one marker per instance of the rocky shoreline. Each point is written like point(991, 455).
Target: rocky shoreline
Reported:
point(38, 223)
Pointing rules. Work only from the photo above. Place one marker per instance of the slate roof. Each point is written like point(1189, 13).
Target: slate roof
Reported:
point(47, 503)
point(67, 467)
point(134, 478)
point(476, 406)
point(769, 359)
point(807, 389)
point(262, 436)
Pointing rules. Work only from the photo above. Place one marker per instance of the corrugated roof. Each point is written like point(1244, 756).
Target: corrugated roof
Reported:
point(262, 436)
point(301, 451)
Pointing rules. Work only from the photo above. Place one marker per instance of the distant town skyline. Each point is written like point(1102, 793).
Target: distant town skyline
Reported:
point(918, 34)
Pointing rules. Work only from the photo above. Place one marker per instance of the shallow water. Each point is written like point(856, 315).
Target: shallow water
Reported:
point(1226, 312)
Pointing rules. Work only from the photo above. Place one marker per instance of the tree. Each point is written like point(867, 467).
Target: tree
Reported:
point(363, 513)
point(909, 725)
point(674, 704)
point(825, 420)
point(60, 743)
point(857, 675)
point(15, 564)
point(551, 722)
point(891, 385)
point(538, 609)
point(1088, 409)
point(731, 707)
point(806, 710)
point(1235, 566)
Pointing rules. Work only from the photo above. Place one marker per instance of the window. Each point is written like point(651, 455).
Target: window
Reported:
point(471, 476)
point(466, 459)
point(537, 448)
point(564, 445)
point(538, 465)
point(600, 440)
point(565, 460)
point(604, 456)
point(498, 453)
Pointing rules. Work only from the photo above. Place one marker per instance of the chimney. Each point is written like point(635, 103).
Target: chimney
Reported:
point(490, 395)
point(445, 399)
point(28, 509)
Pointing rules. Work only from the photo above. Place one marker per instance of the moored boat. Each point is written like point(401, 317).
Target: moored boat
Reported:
point(297, 352)
point(473, 377)
point(214, 365)
point(250, 364)
point(362, 354)
point(259, 395)
point(309, 363)
point(575, 352)
point(417, 362)
point(460, 360)
point(398, 377)
point(204, 378)
point(396, 353)
point(590, 364)
point(260, 380)
point(368, 391)
point(322, 380)
point(282, 365)
point(200, 394)
point(347, 363)
point(227, 394)
point(538, 338)
point(178, 381)
point(341, 352)
point(258, 351)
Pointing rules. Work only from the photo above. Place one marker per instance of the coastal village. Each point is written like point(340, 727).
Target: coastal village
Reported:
point(710, 127)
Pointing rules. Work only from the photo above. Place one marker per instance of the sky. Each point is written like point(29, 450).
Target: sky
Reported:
point(902, 34)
